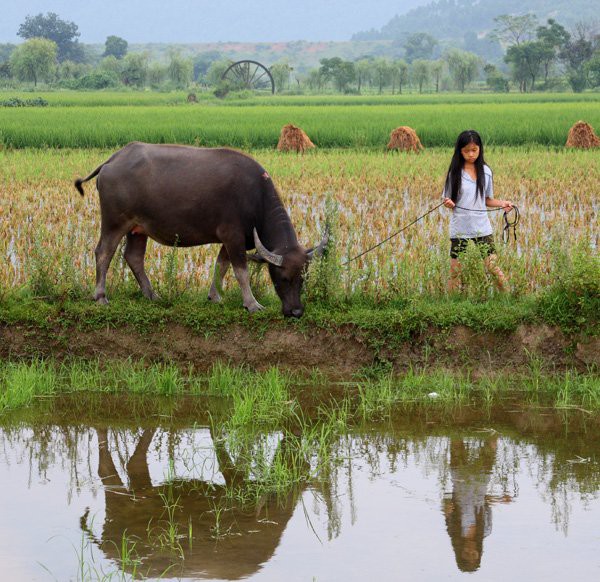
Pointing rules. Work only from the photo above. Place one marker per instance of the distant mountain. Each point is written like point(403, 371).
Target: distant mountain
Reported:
point(452, 19)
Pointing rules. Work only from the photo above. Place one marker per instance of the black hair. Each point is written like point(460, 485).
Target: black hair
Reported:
point(454, 176)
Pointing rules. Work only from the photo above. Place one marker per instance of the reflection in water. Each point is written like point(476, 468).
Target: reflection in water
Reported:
point(182, 501)
point(468, 509)
point(186, 527)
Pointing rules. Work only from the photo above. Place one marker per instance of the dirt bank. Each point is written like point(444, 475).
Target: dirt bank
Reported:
point(338, 353)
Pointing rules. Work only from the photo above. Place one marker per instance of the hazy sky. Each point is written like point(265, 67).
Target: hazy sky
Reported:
point(208, 20)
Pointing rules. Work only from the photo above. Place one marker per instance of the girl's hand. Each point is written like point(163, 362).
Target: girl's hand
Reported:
point(448, 203)
point(507, 206)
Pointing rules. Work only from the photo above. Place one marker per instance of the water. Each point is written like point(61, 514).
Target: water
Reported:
point(509, 494)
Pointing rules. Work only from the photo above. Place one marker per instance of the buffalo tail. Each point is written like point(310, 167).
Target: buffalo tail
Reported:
point(80, 181)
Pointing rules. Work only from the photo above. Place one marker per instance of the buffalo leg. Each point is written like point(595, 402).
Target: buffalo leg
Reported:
point(221, 267)
point(104, 253)
point(106, 467)
point(137, 467)
point(240, 268)
point(135, 250)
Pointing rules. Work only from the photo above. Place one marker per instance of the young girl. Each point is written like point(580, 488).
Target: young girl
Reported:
point(469, 191)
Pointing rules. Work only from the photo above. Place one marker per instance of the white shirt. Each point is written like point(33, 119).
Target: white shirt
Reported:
point(466, 224)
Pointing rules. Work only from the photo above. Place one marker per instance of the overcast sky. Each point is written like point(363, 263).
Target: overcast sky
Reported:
point(141, 21)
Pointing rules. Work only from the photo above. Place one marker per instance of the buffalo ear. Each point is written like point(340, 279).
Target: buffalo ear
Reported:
point(320, 248)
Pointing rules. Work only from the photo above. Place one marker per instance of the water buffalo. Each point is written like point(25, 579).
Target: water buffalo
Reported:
point(188, 196)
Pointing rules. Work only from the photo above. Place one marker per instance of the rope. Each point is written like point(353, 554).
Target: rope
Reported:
point(505, 232)
point(392, 235)
point(510, 225)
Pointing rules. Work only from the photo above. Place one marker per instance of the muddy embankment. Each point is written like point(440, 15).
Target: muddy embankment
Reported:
point(338, 353)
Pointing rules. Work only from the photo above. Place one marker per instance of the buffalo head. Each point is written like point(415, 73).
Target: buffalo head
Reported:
point(287, 269)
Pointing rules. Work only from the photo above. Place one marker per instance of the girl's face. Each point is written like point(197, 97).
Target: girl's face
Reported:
point(470, 152)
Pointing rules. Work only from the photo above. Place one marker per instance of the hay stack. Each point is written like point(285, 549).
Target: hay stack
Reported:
point(191, 98)
point(293, 139)
point(582, 135)
point(406, 139)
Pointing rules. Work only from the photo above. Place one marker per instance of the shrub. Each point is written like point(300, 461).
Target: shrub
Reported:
point(573, 301)
point(17, 102)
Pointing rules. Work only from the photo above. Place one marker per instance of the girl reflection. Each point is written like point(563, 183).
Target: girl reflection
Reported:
point(468, 508)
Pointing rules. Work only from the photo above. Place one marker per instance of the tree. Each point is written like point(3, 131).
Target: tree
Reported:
point(5, 70)
point(281, 72)
point(341, 72)
point(513, 30)
point(592, 70)
point(111, 64)
point(463, 67)
point(34, 59)
point(203, 61)
point(181, 70)
point(363, 72)
point(62, 32)
point(495, 80)
point(554, 37)
point(135, 69)
point(314, 80)
point(437, 70)
point(157, 74)
point(70, 70)
point(526, 60)
point(215, 72)
point(382, 73)
point(401, 71)
point(578, 50)
point(115, 46)
point(420, 73)
point(419, 45)
point(5, 51)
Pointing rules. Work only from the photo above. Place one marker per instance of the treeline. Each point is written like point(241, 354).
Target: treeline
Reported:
point(537, 57)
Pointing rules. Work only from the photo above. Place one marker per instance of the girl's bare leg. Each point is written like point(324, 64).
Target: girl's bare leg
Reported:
point(455, 271)
point(496, 272)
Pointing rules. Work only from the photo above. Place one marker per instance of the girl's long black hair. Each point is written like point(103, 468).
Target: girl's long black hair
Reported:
point(454, 176)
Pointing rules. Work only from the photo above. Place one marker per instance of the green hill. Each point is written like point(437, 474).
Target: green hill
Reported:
point(452, 19)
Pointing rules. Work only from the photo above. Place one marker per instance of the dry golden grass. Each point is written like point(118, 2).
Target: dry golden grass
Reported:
point(405, 138)
point(557, 192)
point(582, 135)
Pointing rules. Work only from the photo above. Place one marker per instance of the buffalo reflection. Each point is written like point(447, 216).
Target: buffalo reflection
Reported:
point(468, 509)
point(211, 542)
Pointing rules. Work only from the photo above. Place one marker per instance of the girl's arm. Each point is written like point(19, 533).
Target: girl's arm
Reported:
point(493, 203)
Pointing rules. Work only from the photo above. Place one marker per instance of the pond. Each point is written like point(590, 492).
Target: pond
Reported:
point(511, 492)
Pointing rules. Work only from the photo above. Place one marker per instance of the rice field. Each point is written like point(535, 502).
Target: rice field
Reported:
point(68, 98)
point(112, 120)
point(47, 229)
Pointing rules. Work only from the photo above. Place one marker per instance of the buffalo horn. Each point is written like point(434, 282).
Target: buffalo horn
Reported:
point(320, 249)
point(265, 253)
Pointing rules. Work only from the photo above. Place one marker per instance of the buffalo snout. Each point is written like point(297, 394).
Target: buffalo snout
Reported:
point(297, 313)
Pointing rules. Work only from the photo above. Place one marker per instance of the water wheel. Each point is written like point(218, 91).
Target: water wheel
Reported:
point(250, 75)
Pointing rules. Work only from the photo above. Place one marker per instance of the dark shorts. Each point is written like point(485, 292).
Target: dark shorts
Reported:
point(485, 244)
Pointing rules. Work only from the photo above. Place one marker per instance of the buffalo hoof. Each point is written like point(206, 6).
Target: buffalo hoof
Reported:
point(254, 307)
point(102, 301)
point(214, 297)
